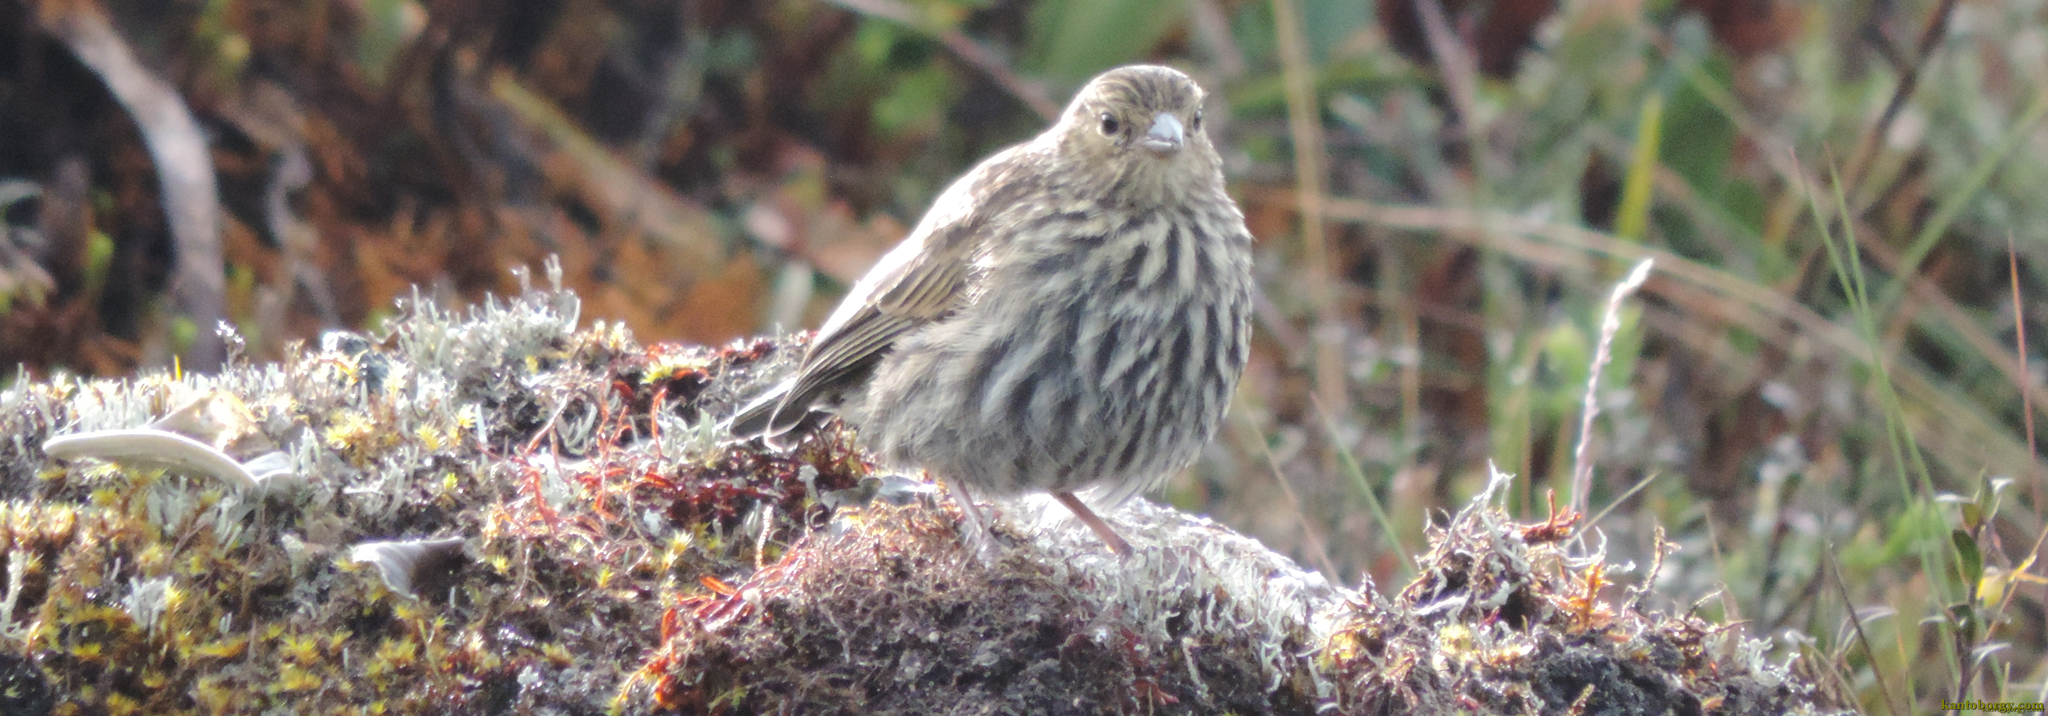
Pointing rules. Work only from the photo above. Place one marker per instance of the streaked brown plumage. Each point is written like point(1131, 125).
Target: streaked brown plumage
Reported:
point(1070, 315)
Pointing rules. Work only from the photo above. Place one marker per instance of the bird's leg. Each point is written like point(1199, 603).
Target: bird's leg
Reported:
point(1088, 517)
point(975, 529)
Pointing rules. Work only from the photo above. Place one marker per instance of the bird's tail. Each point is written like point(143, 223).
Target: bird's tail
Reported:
point(772, 418)
point(754, 419)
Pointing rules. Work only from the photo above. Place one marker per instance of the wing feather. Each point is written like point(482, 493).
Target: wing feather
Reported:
point(921, 280)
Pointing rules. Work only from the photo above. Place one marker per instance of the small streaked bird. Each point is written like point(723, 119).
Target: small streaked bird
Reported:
point(1070, 316)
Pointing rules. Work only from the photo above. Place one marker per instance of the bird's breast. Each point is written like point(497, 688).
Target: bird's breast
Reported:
point(1148, 309)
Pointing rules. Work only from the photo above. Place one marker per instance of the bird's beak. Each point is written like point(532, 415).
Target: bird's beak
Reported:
point(1165, 137)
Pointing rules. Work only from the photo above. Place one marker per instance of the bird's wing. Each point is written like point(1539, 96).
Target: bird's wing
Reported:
point(921, 280)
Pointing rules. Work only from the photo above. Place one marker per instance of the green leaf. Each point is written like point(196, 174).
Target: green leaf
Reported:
point(1698, 138)
point(1972, 564)
point(916, 104)
point(99, 259)
point(1634, 213)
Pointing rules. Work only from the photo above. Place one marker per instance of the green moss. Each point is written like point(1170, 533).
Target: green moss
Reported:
point(616, 555)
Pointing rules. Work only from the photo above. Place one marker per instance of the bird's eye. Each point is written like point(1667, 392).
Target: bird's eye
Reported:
point(1196, 124)
point(1110, 125)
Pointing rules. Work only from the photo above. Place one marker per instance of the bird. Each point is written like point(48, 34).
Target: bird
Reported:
point(1070, 316)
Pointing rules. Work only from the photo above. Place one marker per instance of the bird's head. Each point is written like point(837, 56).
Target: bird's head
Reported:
point(1140, 128)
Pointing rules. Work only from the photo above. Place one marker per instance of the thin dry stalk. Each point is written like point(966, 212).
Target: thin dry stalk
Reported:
point(1460, 73)
point(178, 150)
point(1610, 324)
point(1909, 80)
point(961, 46)
point(1960, 434)
point(1318, 547)
point(1856, 622)
point(2026, 383)
point(1304, 123)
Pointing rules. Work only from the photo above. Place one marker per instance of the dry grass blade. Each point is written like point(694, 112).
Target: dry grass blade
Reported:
point(1619, 499)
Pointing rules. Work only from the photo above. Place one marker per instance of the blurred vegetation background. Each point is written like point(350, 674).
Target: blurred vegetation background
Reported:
point(1824, 398)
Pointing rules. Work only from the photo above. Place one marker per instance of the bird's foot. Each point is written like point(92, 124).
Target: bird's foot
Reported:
point(977, 530)
point(1088, 517)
